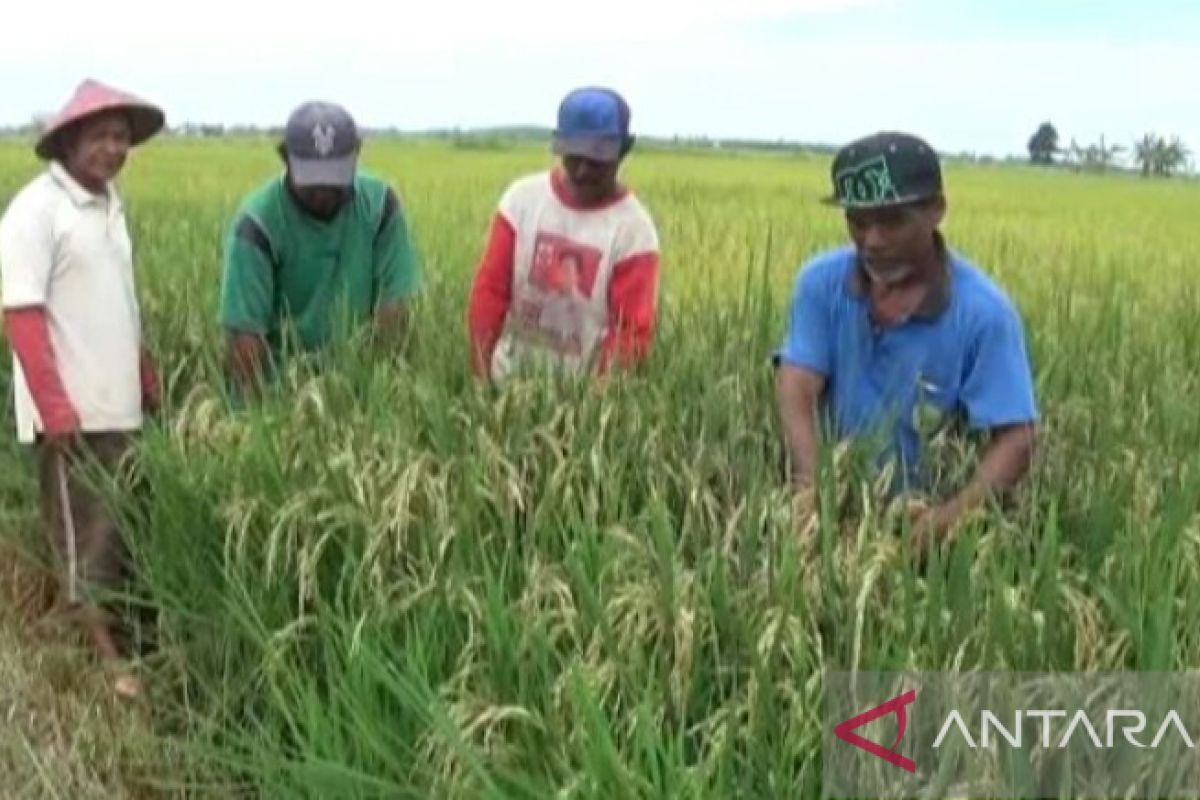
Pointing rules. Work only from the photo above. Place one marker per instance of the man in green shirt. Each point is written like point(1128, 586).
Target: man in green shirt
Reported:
point(314, 253)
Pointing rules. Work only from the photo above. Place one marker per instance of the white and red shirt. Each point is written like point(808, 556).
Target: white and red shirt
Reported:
point(66, 253)
point(571, 286)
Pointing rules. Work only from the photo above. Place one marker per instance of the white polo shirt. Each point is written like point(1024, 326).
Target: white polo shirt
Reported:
point(68, 250)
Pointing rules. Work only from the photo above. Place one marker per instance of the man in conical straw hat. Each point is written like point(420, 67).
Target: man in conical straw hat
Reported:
point(82, 378)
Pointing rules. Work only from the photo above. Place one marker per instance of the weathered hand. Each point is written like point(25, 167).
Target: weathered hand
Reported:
point(931, 525)
point(151, 385)
point(152, 402)
point(61, 442)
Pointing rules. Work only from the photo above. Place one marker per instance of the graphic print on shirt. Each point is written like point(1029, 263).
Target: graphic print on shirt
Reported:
point(562, 279)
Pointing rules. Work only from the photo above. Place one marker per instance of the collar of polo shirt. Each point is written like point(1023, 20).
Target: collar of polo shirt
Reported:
point(79, 195)
point(936, 300)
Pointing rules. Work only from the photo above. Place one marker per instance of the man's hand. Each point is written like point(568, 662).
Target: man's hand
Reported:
point(391, 326)
point(481, 360)
point(247, 357)
point(151, 385)
point(61, 431)
point(798, 392)
point(61, 443)
point(1004, 463)
point(932, 525)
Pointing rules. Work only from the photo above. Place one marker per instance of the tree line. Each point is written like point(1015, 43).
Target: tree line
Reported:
point(1155, 156)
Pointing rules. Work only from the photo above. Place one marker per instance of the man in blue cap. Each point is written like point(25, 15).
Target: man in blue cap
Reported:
point(897, 329)
point(569, 278)
point(314, 252)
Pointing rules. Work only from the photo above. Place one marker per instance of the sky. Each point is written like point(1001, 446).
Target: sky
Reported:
point(968, 75)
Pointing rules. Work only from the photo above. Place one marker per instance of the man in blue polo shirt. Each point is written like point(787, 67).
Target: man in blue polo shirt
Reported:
point(896, 327)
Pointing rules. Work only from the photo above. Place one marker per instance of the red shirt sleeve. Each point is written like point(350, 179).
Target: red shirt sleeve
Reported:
point(29, 336)
point(632, 303)
point(491, 294)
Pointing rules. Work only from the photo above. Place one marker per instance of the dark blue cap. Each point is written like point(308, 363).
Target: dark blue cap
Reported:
point(321, 143)
point(593, 123)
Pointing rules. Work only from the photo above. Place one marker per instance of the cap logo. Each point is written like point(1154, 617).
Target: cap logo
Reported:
point(867, 183)
point(323, 138)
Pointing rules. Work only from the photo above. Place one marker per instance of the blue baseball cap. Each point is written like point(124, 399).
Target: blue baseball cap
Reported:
point(592, 123)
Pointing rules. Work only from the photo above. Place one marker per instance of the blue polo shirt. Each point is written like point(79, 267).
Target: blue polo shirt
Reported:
point(962, 355)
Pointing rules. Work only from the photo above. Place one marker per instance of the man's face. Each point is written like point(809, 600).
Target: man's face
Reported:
point(895, 240)
point(95, 151)
point(323, 202)
point(894, 244)
point(591, 181)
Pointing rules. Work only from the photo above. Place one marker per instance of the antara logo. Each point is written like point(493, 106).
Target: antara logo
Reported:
point(1129, 725)
point(897, 706)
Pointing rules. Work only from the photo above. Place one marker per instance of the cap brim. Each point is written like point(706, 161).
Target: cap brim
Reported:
point(595, 148)
point(322, 171)
point(838, 202)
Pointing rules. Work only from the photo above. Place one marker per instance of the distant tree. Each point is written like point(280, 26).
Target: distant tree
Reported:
point(1144, 153)
point(1175, 156)
point(1043, 145)
point(1097, 157)
point(1075, 155)
point(1101, 156)
point(1160, 158)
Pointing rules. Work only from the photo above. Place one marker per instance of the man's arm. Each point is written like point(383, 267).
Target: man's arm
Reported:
point(392, 322)
point(1004, 463)
point(247, 358)
point(247, 303)
point(29, 336)
point(397, 274)
point(151, 383)
point(998, 396)
point(491, 295)
point(26, 265)
point(802, 366)
point(798, 391)
point(633, 309)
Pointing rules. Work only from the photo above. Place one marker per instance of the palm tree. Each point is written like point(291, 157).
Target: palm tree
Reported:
point(1097, 157)
point(1101, 156)
point(1144, 150)
point(1075, 155)
point(1175, 156)
point(1160, 158)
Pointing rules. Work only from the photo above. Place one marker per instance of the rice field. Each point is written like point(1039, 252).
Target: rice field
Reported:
point(389, 582)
